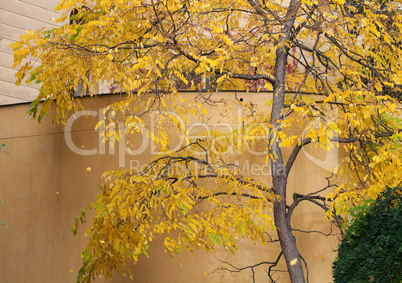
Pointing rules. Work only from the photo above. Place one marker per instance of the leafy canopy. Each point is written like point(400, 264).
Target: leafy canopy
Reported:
point(147, 49)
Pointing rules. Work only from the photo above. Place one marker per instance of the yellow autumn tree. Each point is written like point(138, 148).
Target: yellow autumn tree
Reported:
point(346, 53)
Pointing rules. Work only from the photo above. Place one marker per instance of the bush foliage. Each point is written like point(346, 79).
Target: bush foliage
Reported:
point(372, 248)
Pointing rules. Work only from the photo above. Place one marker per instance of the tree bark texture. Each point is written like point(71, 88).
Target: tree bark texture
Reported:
point(279, 173)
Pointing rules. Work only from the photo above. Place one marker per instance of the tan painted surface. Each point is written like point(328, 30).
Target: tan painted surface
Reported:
point(44, 184)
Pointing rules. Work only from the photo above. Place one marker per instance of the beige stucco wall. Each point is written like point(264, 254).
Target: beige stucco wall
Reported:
point(44, 184)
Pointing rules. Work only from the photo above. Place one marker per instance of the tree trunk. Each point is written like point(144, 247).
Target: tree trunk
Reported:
point(282, 223)
point(279, 179)
point(279, 174)
point(285, 235)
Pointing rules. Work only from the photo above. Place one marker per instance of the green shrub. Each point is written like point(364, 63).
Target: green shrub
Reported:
point(372, 248)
